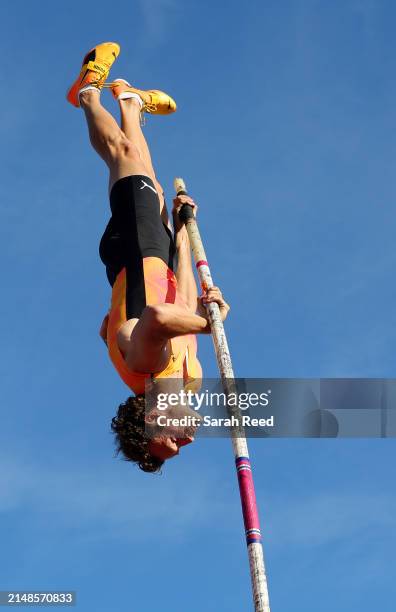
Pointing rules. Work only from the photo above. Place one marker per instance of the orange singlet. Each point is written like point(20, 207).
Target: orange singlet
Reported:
point(160, 287)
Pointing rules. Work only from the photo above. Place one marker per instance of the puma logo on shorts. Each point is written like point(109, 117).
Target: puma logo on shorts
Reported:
point(147, 185)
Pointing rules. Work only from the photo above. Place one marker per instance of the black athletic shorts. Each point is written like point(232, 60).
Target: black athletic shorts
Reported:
point(135, 231)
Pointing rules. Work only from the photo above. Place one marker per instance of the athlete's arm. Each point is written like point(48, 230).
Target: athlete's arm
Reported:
point(148, 348)
point(187, 286)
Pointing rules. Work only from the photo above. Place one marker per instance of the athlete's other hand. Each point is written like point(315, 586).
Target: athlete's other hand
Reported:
point(177, 204)
point(214, 295)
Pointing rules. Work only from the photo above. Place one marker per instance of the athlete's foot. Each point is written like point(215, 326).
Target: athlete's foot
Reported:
point(152, 101)
point(94, 72)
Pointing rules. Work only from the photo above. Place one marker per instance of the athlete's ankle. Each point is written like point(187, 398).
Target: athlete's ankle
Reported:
point(88, 96)
point(131, 102)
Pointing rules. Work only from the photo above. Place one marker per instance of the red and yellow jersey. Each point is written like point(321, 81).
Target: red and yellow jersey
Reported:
point(160, 287)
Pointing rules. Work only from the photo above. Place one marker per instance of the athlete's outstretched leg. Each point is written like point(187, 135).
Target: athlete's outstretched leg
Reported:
point(121, 155)
point(133, 102)
point(131, 126)
point(104, 131)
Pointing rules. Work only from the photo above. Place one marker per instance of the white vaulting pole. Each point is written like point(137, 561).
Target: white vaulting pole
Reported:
point(239, 443)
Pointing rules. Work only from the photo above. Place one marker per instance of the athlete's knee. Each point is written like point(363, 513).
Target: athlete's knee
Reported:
point(128, 149)
point(120, 147)
point(111, 140)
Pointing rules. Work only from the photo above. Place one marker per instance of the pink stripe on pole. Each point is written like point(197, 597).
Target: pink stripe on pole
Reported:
point(248, 499)
point(201, 262)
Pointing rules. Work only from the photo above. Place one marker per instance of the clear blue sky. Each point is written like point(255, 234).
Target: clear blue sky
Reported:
point(286, 137)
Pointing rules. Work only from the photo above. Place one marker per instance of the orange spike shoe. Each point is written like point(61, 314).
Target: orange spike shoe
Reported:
point(153, 101)
point(95, 69)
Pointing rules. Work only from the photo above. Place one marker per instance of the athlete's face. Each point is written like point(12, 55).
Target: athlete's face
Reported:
point(177, 426)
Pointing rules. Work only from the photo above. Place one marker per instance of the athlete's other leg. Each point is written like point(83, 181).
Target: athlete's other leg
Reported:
point(130, 109)
point(122, 155)
point(131, 126)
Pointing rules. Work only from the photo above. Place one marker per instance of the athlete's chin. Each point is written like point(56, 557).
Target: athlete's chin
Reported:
point(163, 448)
point(167, 448)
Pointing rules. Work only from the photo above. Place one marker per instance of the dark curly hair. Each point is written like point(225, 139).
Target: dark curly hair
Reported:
point(131, 439)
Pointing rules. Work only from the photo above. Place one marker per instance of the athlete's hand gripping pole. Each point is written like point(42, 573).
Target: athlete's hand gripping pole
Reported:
point(242, 461)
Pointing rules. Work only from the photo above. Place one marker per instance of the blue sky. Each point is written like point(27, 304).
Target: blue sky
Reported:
point(285, 135)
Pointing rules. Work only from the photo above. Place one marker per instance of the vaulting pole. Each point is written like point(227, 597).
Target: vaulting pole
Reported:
point(239, 443)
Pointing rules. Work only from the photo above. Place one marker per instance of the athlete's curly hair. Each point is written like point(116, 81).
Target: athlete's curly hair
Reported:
point(131, 439)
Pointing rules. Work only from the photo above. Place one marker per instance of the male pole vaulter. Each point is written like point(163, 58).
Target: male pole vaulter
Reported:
point(155, 311)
